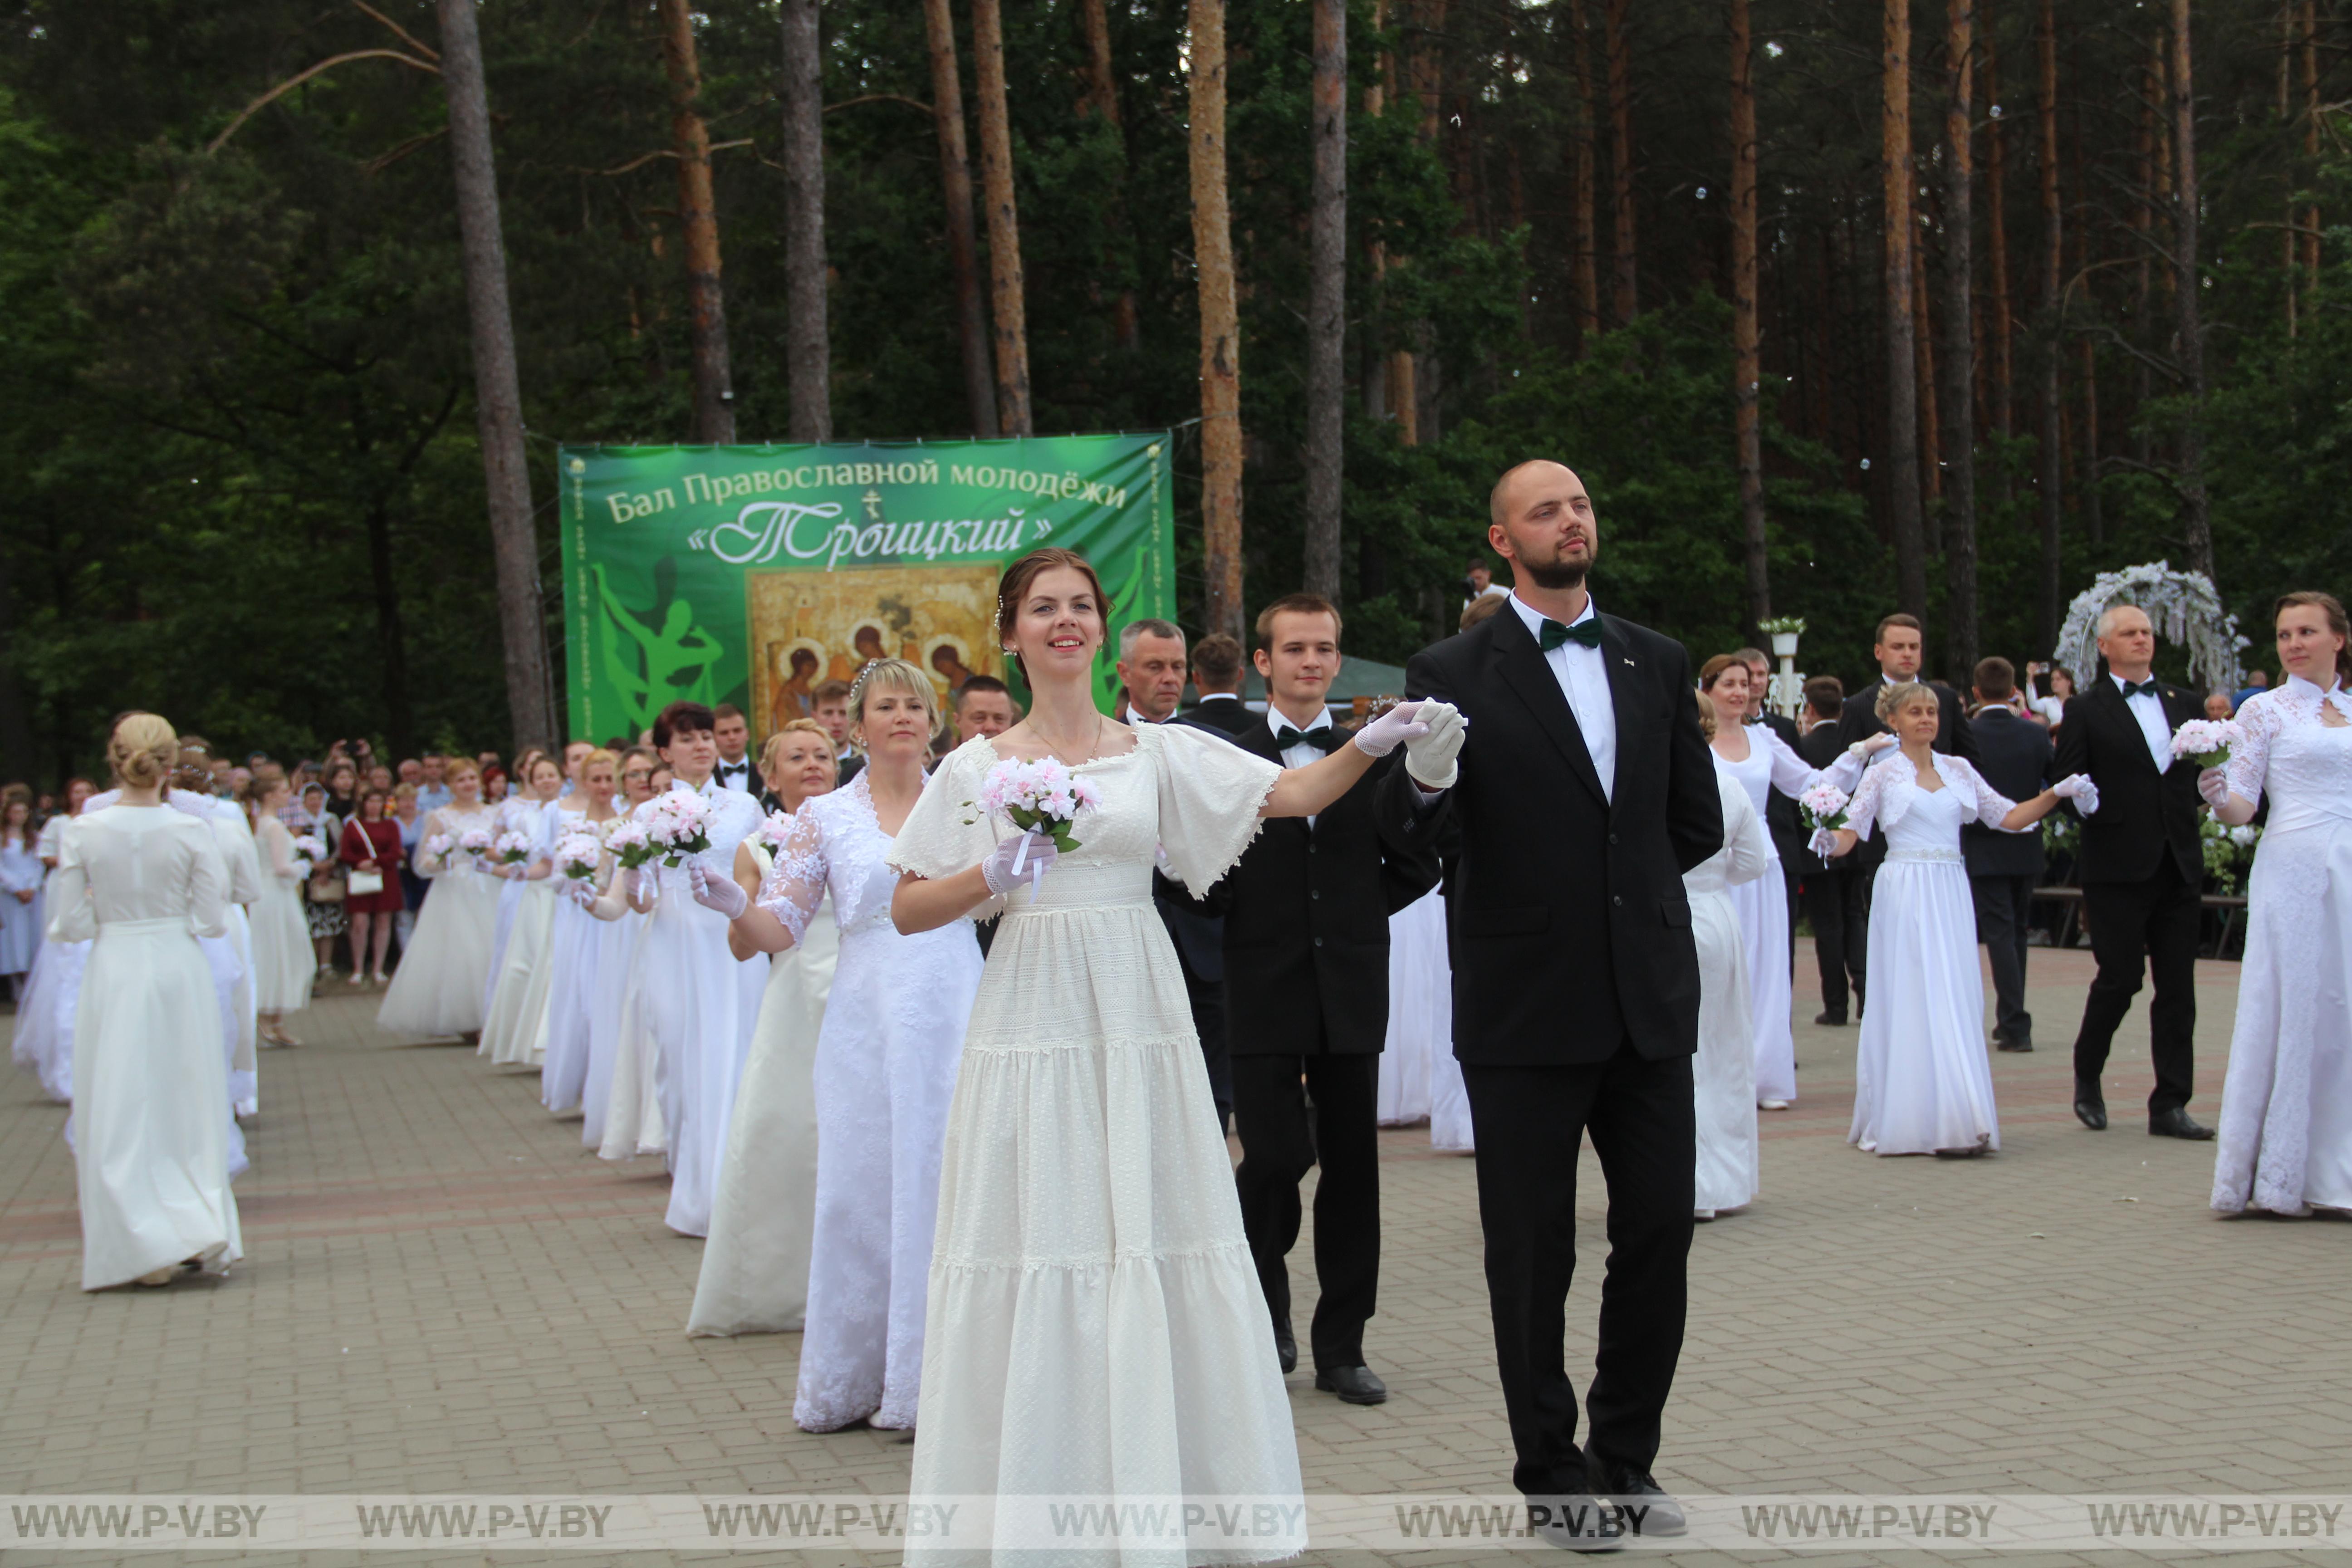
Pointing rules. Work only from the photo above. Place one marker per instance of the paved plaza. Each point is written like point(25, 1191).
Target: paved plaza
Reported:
point(444, 1292)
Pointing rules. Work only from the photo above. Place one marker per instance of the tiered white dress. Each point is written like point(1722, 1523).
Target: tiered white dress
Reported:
point(687, 1022)
point(1096, 1324)
point(1723, 1073)
point(1923, 1084)
point(436, 992)
point(151, 1154)
point(2285, 1133)
point(514, 1029)
point(1421, 1011)
point(886, 1068)
point(43, 1042)
point(283, 960)
point(755, 1264)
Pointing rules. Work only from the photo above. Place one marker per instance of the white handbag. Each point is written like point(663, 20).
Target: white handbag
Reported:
point(362, 883)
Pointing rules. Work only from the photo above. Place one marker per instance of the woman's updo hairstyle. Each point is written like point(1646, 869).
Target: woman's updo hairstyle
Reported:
point(1901, 694)
point(194, 772)
point(142, 750)
point(1705, 714)
point(893, 674)
point(1013, 586)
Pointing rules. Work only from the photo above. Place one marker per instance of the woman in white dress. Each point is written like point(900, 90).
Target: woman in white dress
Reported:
point(436, 992)
point(1421, 1011)
point(1723, 1073)
point(43, 1043)
point(687, 1020)
point(282, 960)
point(150, 1148)
point(1761, 762)
point(1922, 1082)
point(617, 929)
point(2285, 1138)
point(21, 877)
point(755, 1267)
point(576, 937)
point(514, 1027)
point(1095, 1323)
point(886, 1061)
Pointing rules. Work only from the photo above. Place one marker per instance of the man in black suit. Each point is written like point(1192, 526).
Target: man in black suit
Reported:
point(1586, 791)
point(1217, 676)
point(1781, 818)
point(1306, 997)
point(2013, 754)
point(2141, 867)
point(1837, 899)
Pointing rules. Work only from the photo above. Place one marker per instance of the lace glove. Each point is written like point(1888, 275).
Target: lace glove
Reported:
point(997, 869)
point(2213, 785)
point(719, 893)
point(1429, 757)
point(1406, 721)
point(1824, 842)
point(2078, 788)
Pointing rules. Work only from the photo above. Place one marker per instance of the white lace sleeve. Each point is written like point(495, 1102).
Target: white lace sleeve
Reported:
point(281, 850)
point(73, 917)
point(208, 888)
point(2249, 766)
point(1881, 797)
point(948, 832)
point(795, 883)
point(1989, 805)
point(1792, 775)
point(1211, 791)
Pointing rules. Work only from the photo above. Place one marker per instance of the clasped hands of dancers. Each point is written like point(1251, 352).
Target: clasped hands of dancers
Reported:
point(1020, 1216)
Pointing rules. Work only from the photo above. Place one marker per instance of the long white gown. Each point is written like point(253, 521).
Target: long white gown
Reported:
point(43, 1042)
point(1923, 1083)
point(514, 1030)
point(436, 992)
point(574, 946)
point(20, 920)
point(755, 1266)
point(1421, 1011)
point(611, 961)
point(284, 961)
point(150, 1155)
point(885, 1071)
point(2285, 1133)
point(688, 1016)
point(1095, 1323)
point(1723, 1073)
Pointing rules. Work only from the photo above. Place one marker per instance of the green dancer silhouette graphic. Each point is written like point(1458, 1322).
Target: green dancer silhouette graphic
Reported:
point(653, 668)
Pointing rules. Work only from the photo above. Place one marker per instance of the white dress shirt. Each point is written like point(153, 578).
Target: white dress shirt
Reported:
point(2148, 709)
point(735, 776)
point(1583, 676)
point(1303, 753)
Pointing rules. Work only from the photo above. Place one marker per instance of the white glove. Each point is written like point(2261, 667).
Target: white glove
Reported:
point(997, 869)
point(2213, 785)
point(1824, 842)
point(719, 893)
point(581, 891)
point(1405, 722)
point(2078, 788)
point(1429, 757)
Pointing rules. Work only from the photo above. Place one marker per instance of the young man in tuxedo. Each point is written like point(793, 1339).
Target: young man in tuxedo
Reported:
point(1837, 897)
point(2013, 754)
point(733, 733)
point(1306, 990)
point(1585, 792)
point(1217, 676)
point(2141, 867)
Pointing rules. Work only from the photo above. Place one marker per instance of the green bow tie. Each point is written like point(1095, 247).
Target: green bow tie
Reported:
point(2133, 687)
point(1584, 633)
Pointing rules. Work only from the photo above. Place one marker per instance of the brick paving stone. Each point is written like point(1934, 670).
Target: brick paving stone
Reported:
point(444, 1291)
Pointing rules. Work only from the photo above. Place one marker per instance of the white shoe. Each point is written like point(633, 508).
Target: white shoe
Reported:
point(1702, 1214)
point(1771, 1105)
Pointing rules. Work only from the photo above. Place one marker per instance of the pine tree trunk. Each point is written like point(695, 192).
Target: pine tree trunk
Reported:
point(1997, 302)
point(1959, 346)
point(1585, 269)
point(808, 356)
point(1625, 295)
point(1221, 338)
point(2290, 249)
point(2197, 521)
point(1102, 98)
point(498, 391)
point(1326, 299)
point(1747, 363)
point(963, 239)
point(1931, 431)
point(1376, 364)
point(1905, 523)
point(2050, 460)
point(2311, 135)
point(697, 222)
point(1004, 284)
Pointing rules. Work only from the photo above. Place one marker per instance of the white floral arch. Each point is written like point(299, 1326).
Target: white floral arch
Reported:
point(2184, 606)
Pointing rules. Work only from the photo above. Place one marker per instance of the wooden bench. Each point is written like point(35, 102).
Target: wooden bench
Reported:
point(2070, 923)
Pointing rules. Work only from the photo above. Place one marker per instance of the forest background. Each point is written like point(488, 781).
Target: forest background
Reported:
point(2079, 307)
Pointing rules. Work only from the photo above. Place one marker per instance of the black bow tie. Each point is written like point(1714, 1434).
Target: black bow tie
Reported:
point(1328, 737)
point(2133, 687)
point(1586, 633)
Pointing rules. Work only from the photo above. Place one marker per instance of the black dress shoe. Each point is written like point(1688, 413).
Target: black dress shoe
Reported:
point(2175, 1124)
point(1353, 1384)
point(1286, 1346)
point(1831, 1018)
point(1645, 1507)
point(2012, 1042)
point(1576, 1524)
point(2091, 1107)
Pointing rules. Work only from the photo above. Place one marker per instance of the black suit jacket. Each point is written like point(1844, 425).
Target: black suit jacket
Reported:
point(1226, 715)
point(2013, 754)
point(1570, 930)
point(2143, 815)
point(1306, 912)
point(1859, 722)
point(1781, 819)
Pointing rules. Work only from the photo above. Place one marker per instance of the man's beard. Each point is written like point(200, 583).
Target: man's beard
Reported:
point(1557, 576)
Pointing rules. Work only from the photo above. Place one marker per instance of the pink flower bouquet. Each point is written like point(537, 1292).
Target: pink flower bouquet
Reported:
point(678, 824)
point(1043, 797)
point(2207, 742)
point(576, 854)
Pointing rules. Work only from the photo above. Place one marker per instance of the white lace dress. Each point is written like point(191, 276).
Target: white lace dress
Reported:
point(1723, 1073)
point(1923, 1083)
point(886, 1066)
point(1096, 1325)
point(437, 989)
point(2285, 1133)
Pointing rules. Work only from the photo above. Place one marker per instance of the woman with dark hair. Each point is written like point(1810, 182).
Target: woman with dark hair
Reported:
point(369, 851)
point(342, 782)
point(20, 889)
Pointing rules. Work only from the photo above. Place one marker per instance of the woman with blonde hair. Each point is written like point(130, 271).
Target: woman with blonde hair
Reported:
point(283, 963)
point(578, 943)
point(151, 1146)
point(437, 989)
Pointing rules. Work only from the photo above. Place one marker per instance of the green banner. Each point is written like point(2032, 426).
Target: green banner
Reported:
point(752, 575)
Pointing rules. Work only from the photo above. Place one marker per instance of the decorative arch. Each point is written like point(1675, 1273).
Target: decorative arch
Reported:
point(2185, 607)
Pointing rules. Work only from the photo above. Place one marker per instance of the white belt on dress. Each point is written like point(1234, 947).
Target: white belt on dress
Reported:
point(1929, 856)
